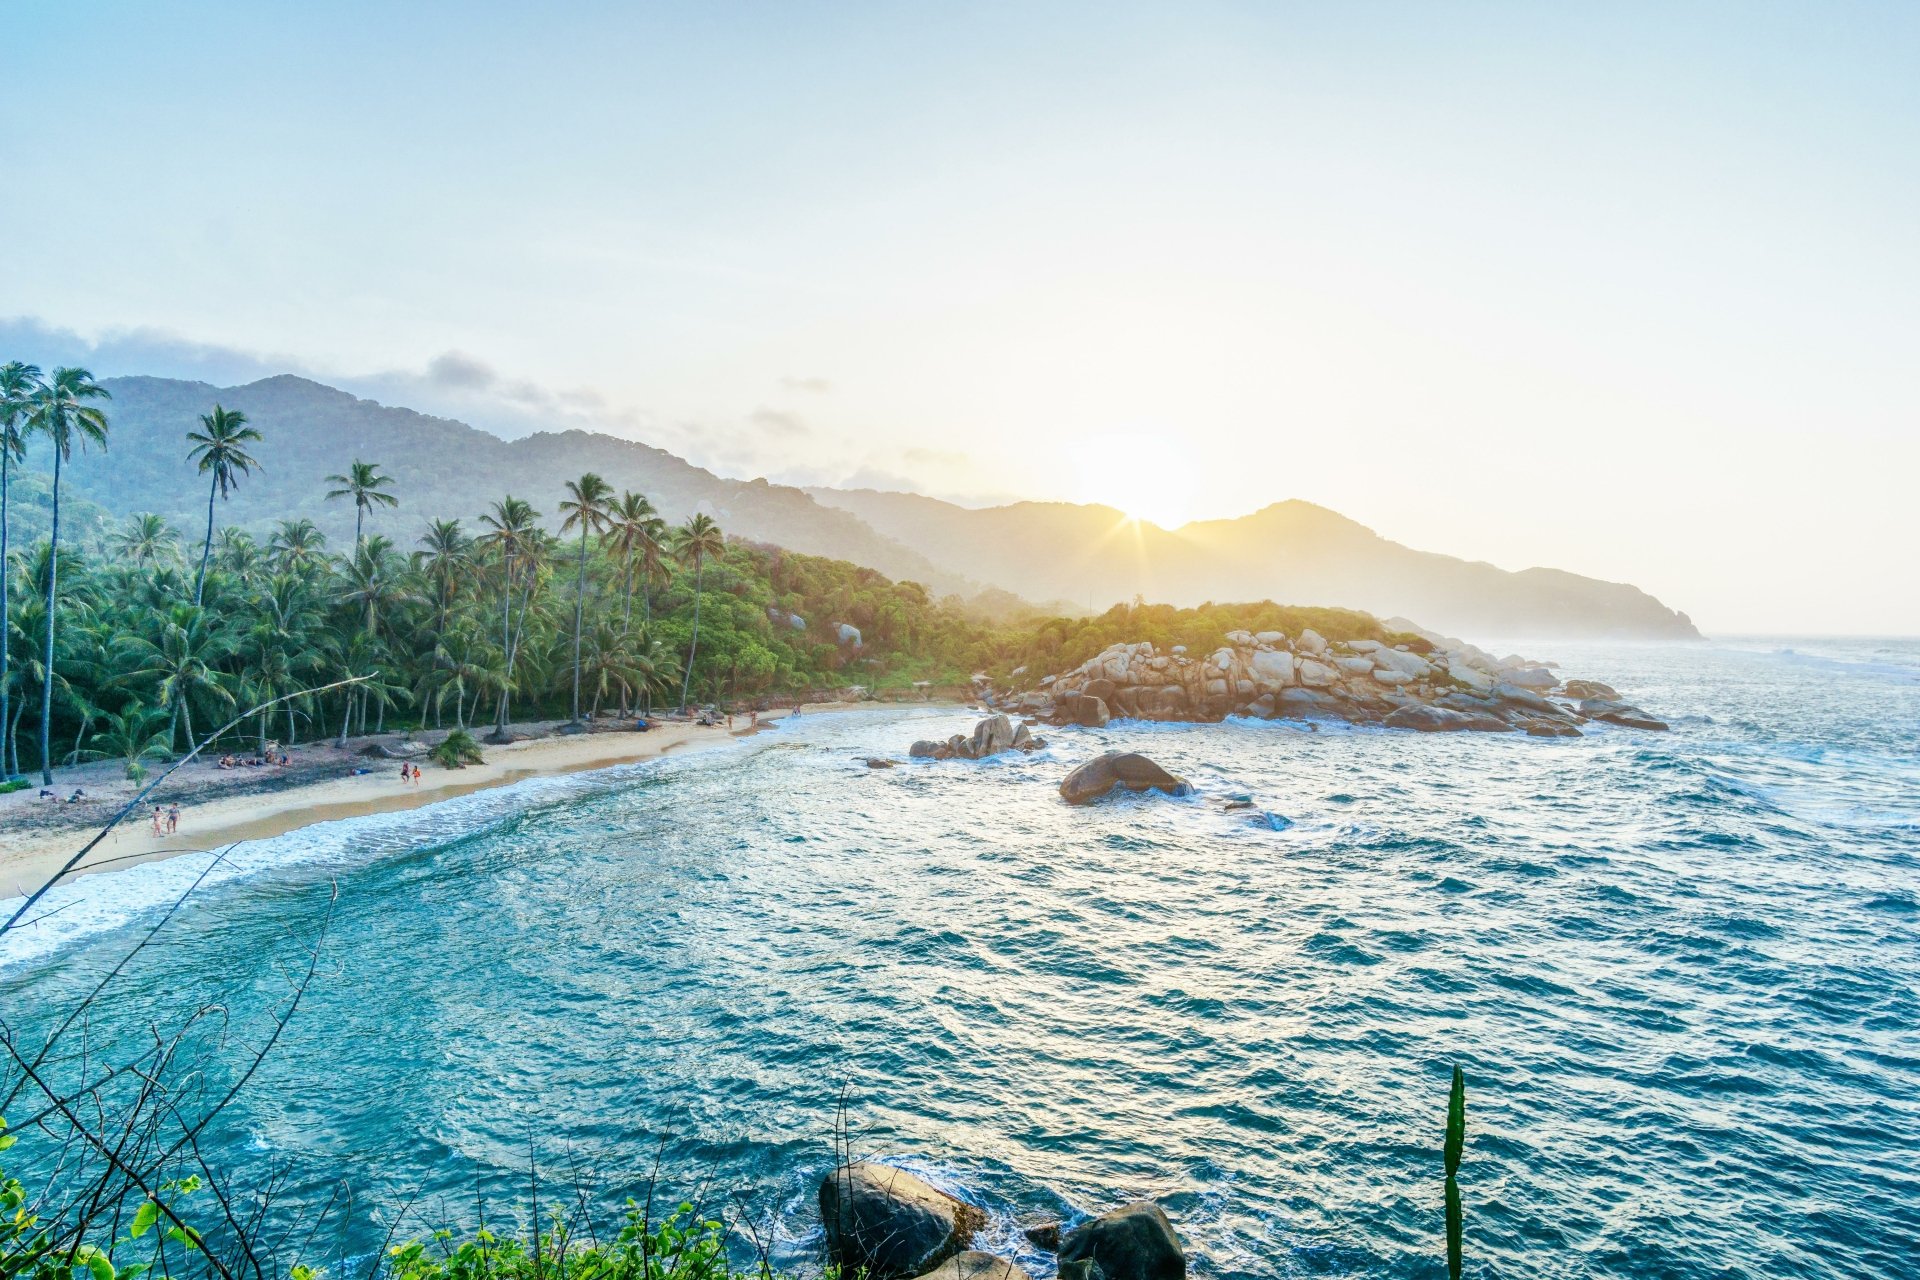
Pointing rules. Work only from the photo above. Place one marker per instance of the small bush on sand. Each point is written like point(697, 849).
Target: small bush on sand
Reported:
point(458, 751)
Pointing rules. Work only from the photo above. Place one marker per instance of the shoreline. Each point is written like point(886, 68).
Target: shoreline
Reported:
point(27, 862)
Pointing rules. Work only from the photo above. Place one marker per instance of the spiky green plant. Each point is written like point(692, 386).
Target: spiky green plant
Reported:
point(1456, 1140)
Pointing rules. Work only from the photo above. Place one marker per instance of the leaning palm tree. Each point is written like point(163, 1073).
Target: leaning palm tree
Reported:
point(695, 542)
point(220, 447)
point(61, 412)
point(586, 509)
point(365, 485)
point(17, 384)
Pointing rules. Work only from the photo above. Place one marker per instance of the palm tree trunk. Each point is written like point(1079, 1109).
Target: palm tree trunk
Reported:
point(53, 598)
point(359, 520)
point(626, 622)
point(206, 548)
point(9, 750)
point(506, 641)
point(686, 680)
point(579, 612)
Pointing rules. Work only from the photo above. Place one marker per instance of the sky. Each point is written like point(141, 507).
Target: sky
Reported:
point(1628, 290)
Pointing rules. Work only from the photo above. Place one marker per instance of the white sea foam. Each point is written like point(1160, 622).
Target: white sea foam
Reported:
point(91, 904)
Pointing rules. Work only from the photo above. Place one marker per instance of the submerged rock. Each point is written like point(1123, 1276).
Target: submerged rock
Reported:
point(1134, 1242)
point(1128, 769)
point(890, 1224)
point(1624, 714)
point(1428, 719)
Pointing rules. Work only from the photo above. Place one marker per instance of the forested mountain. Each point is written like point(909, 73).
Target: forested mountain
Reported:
point(1048, 553)
point(440, 468)
point(1291, 551)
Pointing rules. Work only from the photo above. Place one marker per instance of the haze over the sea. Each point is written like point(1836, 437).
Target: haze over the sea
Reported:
point(1630, 291)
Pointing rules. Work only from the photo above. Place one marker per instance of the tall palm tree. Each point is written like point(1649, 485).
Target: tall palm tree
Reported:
point(366, 486)
point(637, 533)
point(586, 508)
point(60, 410)
point(695, 542)
point(511, 532)
point(220, 447)
point(17, 384)
point(446, 554)
point(181, 655)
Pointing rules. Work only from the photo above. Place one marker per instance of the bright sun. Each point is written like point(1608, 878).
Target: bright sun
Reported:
point(1141, 476)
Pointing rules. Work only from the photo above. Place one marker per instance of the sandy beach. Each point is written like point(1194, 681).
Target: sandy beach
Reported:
point(37, 836)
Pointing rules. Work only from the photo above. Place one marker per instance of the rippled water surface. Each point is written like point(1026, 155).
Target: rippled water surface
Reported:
point(1681, 971)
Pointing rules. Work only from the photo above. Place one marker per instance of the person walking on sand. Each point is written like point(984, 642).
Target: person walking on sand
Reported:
point(156, 820)
point(173, 819)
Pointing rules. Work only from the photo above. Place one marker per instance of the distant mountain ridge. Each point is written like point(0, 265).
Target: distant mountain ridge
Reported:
point(1078, 555)
point(440, 468)
point(1292, 551)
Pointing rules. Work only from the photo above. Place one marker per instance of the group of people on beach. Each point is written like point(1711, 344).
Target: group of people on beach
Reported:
point(166, 819)
point(410, 772)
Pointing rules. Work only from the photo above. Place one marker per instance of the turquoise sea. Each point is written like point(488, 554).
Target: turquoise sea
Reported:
point(1682, 972)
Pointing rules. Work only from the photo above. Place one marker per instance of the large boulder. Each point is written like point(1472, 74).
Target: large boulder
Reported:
point(926, 749)
point(1312, 642)
point(1081, 709)
point(990, 737)
point(1318, 675)
point(1128, 769)
point(1472, 677)
point(1134, 1242)
point(974, 1265)
point(890, 1224)
point(1103, 689)
point(1590, 689)
point(1271, 668)
point(1530, 677)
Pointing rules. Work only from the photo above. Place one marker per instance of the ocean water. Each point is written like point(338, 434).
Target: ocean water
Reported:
point(1682, 972)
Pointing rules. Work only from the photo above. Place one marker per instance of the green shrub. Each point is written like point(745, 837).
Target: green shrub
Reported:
point(684, 1246)
point(458, 751)
point(14, 784)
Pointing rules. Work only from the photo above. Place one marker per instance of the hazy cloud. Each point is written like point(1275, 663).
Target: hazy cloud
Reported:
point(817, 386)
point(462, 372)
point(777, 422)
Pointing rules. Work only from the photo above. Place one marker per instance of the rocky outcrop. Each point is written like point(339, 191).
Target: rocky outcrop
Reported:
point(1134, 1242)
point(891, 1225)
point(1419, 681)
point(1127, 769)
point(990, 737)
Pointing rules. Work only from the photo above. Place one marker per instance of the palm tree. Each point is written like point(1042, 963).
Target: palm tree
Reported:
point(61, 413)
point(182, 656)
point(446, 554)
point(17, 385)
point(145, 541)
point(296, 545)
point(513, 534)
point(638, 532)
point(586, 510)
point(694, 542)
point(220, 447)
point(364, 484)
point(132, 735)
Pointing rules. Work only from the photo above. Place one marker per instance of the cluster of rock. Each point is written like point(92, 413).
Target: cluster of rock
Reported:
point(989, 738)
point(886, 1224)
point(1431, 683)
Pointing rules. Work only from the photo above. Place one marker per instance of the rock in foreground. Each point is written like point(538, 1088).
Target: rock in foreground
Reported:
point(974, 1265)
point(892, 1225)
point(1128, 769)
point(1134, 1242)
